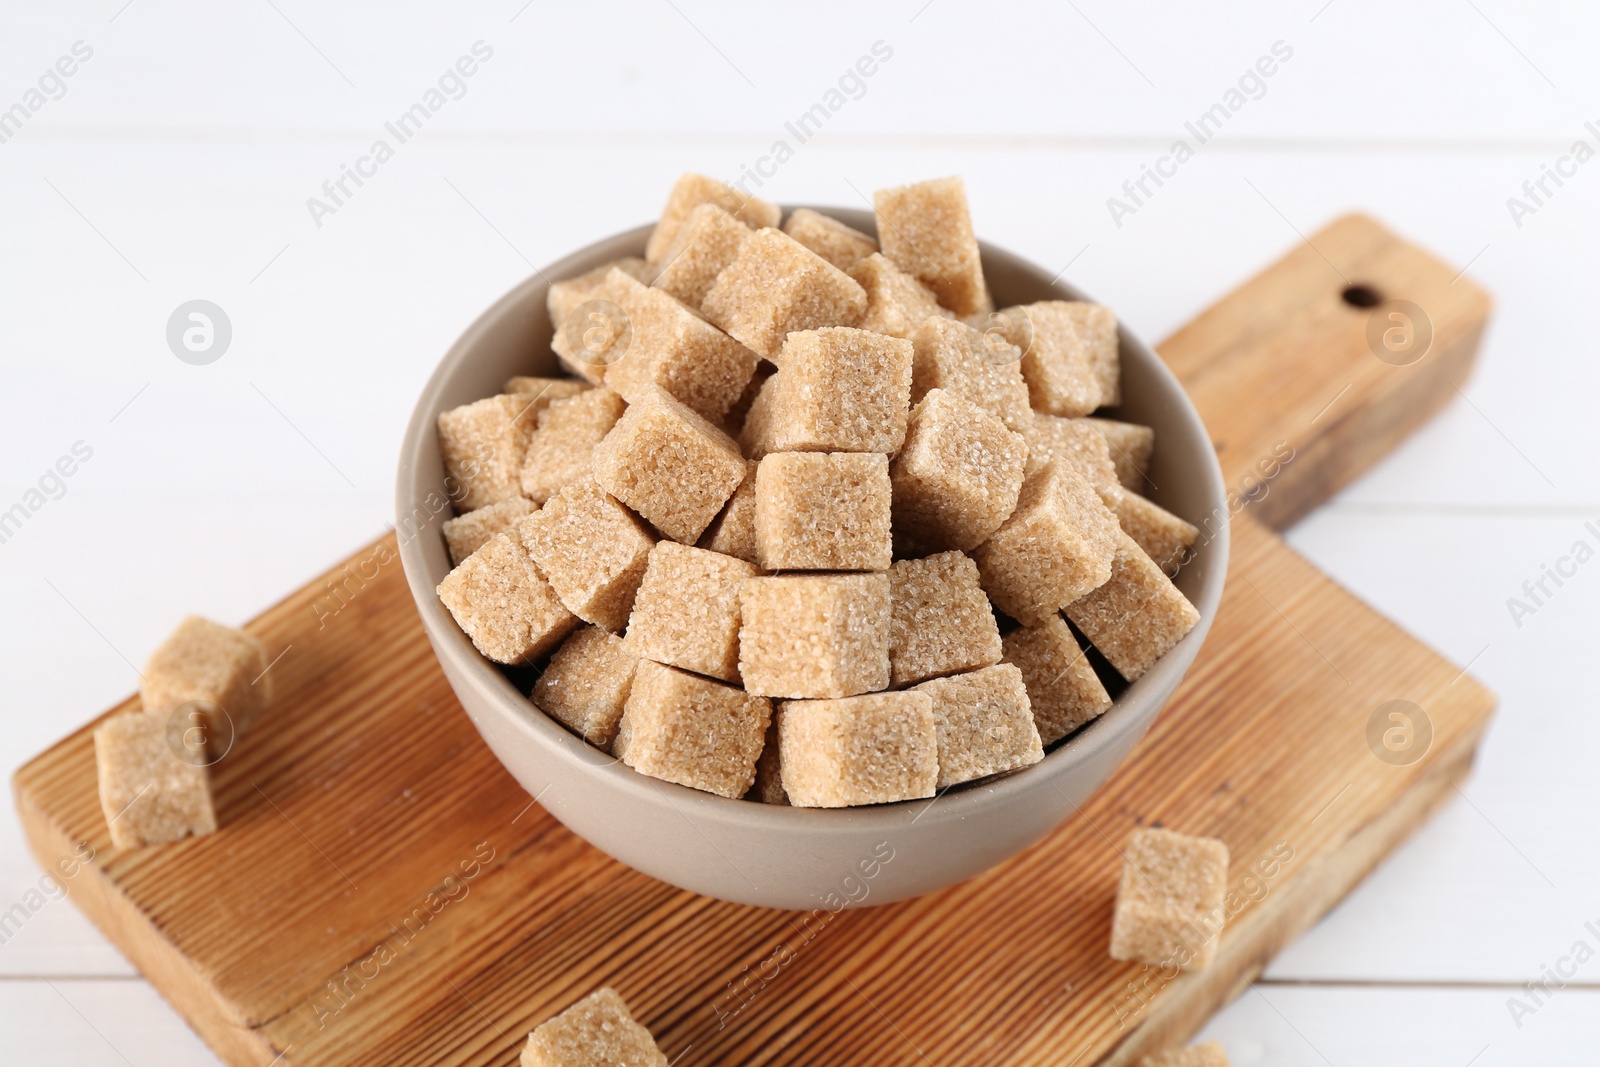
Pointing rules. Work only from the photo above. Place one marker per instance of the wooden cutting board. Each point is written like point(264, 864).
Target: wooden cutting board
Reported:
point(382, 892)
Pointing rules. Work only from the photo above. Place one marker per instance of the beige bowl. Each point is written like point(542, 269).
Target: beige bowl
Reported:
point(756, 853)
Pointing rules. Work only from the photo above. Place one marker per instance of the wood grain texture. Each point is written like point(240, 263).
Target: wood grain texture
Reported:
point(381, 891)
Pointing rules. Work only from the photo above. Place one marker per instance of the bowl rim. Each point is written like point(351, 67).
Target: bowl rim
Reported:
point(1128, 713)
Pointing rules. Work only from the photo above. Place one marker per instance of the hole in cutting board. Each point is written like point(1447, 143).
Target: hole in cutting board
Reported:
point(1361, 296)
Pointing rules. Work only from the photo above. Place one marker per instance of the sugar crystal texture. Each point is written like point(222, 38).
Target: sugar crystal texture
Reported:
point(823, 511)
point(502, 602)
point(1057, 546)
point(687, 610)
point(683, 728)
point(733, 532)
point(776, 286)
point(1077, 443)
point(838, 390)
point(465, 534)
point(562, 448)
point(733, 422)
point(586, 683)
point(150, 794)
point(597, 1031)
point(692, 190)
point(670, 465)
point(926, 229)
point(564, 296)
point(483, 445)
point(958, 475)
point(984, 724)
point(544, 390)
point(1063, 690)
point(815, 635)
point(758, 420)
point(1170, 902)
point(897, 304)
point(1209, 1054)
point(843, 246)
point(1165, 538)
point(1069, 355)
point(952, 355)
point(592, 550)
point(1131, 446)
point(708, 242)
point(1137, 615)
point(873, 749)
point(769, 771)
point(940, 620)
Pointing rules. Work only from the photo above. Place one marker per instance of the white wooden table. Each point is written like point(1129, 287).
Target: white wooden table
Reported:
point(177, 162)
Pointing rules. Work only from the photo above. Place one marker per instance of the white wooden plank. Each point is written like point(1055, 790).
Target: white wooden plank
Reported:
point(89, 1023)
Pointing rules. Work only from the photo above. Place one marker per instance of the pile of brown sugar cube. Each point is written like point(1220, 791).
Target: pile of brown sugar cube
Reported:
point(769, 529)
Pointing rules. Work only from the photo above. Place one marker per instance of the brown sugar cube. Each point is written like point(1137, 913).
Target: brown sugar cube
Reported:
point(544, 390)
point(465, 534)
point(1063, 689)
point(1077, 443)
point(839, 390)
point(984, 724)
point(708, 241)
point(1136, 616)
point(1056, 547)
point(1170, 902)
point(687, 611)
point(583, 344)
point(671, 348)
point(591, 549)
point(568, 432)
point(682, 728)
point(940, 621)
point(952, 355)
point(218, 668)
point(776, 286)
point(150, 794)
point(1165, 538)
point(926, 229)
point(692, 190)
point(758, 420)
point(769, 771)
point(733, 532)
point(815, 635)
point(502, 602)
point(1130, 445)
point(823, 511)
point(1069, 355)
point(873, 749)
point(670, 465)
point(841, 245)
point(586, 684)
point(597, 1030)
point(483, 445)
point(564, 296)
point(1209, 1054)
point(958, 475)
point(896, 302)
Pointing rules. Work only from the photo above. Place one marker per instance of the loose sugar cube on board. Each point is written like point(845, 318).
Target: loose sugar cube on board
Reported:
point(673, 349)
point(776, 286)
point(872, 749)
point(687, 611)
point(465, 534)
point(952, 355)
point(1209, 1054)
point(1131, 446)
point(1069, 355)
point(483, 445)
point(823, 511)
point(1063, 690)
point(769, 771)
point(565, 296)
point(502, 602)
point(670, 465)
point(897, 304)
point(733, 532)
point(708, 242)
point(591, 549)
point(940, 620)
point(586, 683)
point(839, 390)
point(1165, 538)
point(983, 724)
point(926, 229)
point(692, 190)
point(682, 728)
point(1136, 616)
point(562, 448)
point(1057, 546)
point(841, 245)
point(149, 794)
point(1170, 902)
point(815, 635)
point(1078, 444)
point(958, 475)
point(220, 672)
point(597, 1030)
point(544, 390)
